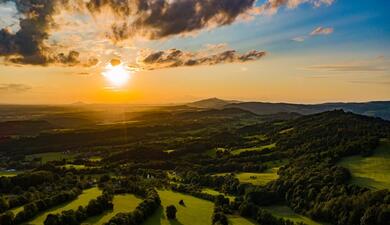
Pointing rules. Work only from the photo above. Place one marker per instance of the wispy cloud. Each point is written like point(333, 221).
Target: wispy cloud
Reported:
point(322, 31)
point(371, 65)
point(316, 32)
point(14, 88)
point(299, 39)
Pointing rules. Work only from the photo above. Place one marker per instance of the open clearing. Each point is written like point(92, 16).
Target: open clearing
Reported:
point(82, 200)
point(258, 178)
point(122, 204)
point(237, 220)
point(372, 172)
point(195, 212)
point(259, 148)
point(287, 213)
point(216, 193)
point(9, 173)
point(51, 156)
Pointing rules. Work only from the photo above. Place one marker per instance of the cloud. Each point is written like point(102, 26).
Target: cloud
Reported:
point(371, 65)
point(272, 6)
point(27, 45)
point(322, 31)
point(34, 41)
point(346, 68)
point(316, 32)
point(152, 60)
point(160, 19)
point(14, 88)
point(298, 39)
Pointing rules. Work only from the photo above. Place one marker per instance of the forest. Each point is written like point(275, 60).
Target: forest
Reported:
point(185, 165)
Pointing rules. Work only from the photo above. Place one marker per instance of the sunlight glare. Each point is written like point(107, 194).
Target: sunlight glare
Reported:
point(117, 75)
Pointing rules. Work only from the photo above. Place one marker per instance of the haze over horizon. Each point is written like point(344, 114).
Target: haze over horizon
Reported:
point(162, 52)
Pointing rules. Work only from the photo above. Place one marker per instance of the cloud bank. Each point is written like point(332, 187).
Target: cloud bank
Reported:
point(14, 88)
point(147, 19)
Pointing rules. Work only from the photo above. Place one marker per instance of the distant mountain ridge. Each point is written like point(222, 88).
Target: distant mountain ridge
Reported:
point(376, 108)
point(212, 103)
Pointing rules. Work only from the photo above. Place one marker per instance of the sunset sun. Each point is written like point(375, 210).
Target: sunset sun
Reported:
point(117, 74)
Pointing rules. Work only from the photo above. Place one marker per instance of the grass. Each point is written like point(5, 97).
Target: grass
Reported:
point(70, 166)
point(258, 178)
point(372, 172)
point(195, 212)
point(285, 212)
point(286, 131)
point(237, 220)
point(216, 193)
point(258, 148)
point(50, 156)
point(213, 152)
point(17, 210)
point(82, 200)
point(122, 204)
point(9, 173)
point(95, 159)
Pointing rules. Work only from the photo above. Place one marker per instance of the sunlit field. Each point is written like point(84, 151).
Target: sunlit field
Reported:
point(237, 220)
point(195, 212)
point(260, 148)
point(373, 171)
point(81, 200)
point(285, 212)
point(51, 156)
point(122, 204)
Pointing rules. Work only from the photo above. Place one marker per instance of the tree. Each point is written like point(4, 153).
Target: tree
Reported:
point(4, 205)
point(171, 212)
point(7, 218)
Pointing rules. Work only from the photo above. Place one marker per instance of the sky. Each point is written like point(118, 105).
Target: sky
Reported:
point(169, 51)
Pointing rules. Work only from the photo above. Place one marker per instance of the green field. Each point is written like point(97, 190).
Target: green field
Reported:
point(216, 193)
point(372, 172)
point(83, 200)
point(9, 173)
point(50, 156)
point(17, 210)
point(237, 220)
point(287, 213)
point(258, 148)
point(72, 166)
point(122, 204)
point(258, 178)
point(195, 212)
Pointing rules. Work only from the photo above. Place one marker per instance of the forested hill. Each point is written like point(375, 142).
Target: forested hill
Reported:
point(376, 109)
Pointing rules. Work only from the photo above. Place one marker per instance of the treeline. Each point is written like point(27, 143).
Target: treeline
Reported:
point(34, 208)
point(192, 190)
point(26, 180)
point(262, 216)
point(226, 184)
point(221, 208)
point(143, 211)
point(71, 217)
point(45, 185)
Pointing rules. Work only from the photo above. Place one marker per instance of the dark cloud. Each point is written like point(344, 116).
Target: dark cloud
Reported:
point(14, 88)
point(175, 58)
point(27, 45)
point(155, 19)
point(150, 19)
